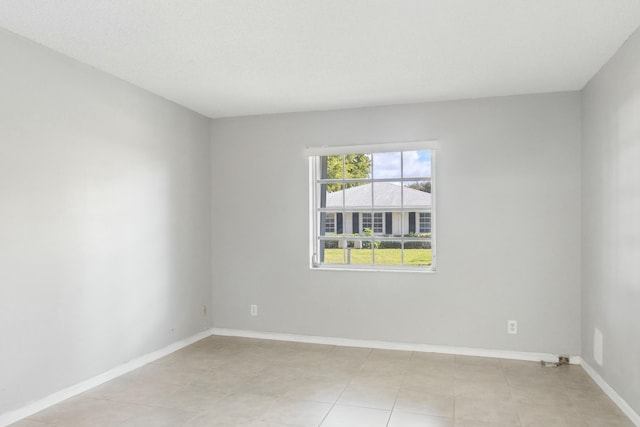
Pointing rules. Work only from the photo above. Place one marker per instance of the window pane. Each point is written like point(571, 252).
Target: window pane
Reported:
point(333, 251)
point(349, 166)
point(333, 196)
point(388, 252)
point(386, 165)
point(357, 166)
point(356, 252)
point(357, 196)
point(417, 196)
point(418, 253)
point(416, 163)
point(362, 256)
point(387, 195)
point(334, 167)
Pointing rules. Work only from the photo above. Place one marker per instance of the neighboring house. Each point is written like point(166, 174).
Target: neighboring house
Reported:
point(398, 210)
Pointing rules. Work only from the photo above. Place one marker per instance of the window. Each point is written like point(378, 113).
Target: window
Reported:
point(425, 222)
point(366, 222)
point(330, 223)
point(375, 226)
point(373, 207)
point(377, 222)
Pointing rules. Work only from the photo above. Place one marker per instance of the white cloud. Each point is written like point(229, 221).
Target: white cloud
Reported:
point(386, 165)
point(414, 164)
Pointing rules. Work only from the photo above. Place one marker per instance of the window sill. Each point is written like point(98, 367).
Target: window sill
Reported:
point(381, 269)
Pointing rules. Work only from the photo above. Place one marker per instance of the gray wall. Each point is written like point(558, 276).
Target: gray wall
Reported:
point(104, 222)
point(611, 220)
point(508, 176)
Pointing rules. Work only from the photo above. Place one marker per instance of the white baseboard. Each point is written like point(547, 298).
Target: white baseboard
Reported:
point(502, 354)
point(57, 397)
point(385, 345)
point(32, 408)
point(617, 399)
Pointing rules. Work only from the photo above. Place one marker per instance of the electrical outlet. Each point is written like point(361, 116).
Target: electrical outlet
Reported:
point(512, 327)
point(254, 310)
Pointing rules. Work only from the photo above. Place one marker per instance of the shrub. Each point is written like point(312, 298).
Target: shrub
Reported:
point(423, 244)
point(366, 244)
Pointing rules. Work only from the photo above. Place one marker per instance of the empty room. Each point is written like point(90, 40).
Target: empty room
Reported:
point(351, 213)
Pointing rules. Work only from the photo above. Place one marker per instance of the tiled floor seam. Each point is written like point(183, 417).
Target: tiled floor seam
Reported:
point(337, 399)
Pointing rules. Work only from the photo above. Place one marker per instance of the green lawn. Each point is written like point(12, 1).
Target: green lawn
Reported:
point(382, 256)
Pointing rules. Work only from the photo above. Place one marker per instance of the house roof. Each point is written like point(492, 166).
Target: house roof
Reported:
point(385, 195)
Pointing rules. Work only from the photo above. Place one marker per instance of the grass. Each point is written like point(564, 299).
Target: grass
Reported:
point(419, 257)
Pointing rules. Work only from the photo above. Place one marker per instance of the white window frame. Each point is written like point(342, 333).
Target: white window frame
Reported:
point(315, 153)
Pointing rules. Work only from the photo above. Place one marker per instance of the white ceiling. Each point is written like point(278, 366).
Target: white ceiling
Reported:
point(239, 57)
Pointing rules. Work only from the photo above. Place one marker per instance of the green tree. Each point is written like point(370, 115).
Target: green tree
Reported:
point(355, 166)
point(421, 186)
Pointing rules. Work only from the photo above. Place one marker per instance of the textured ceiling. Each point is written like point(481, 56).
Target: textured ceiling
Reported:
point(238, 57)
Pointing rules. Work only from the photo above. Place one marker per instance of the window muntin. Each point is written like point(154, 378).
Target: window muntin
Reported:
point(385, 204)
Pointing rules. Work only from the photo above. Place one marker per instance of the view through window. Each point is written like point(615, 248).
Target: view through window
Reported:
point(374, 210)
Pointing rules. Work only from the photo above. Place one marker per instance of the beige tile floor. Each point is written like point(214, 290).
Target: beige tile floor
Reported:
point(224, 381)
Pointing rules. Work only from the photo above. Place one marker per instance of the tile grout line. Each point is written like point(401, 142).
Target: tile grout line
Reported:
point(395, 400)
point(506, 380)
point(337, 398)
